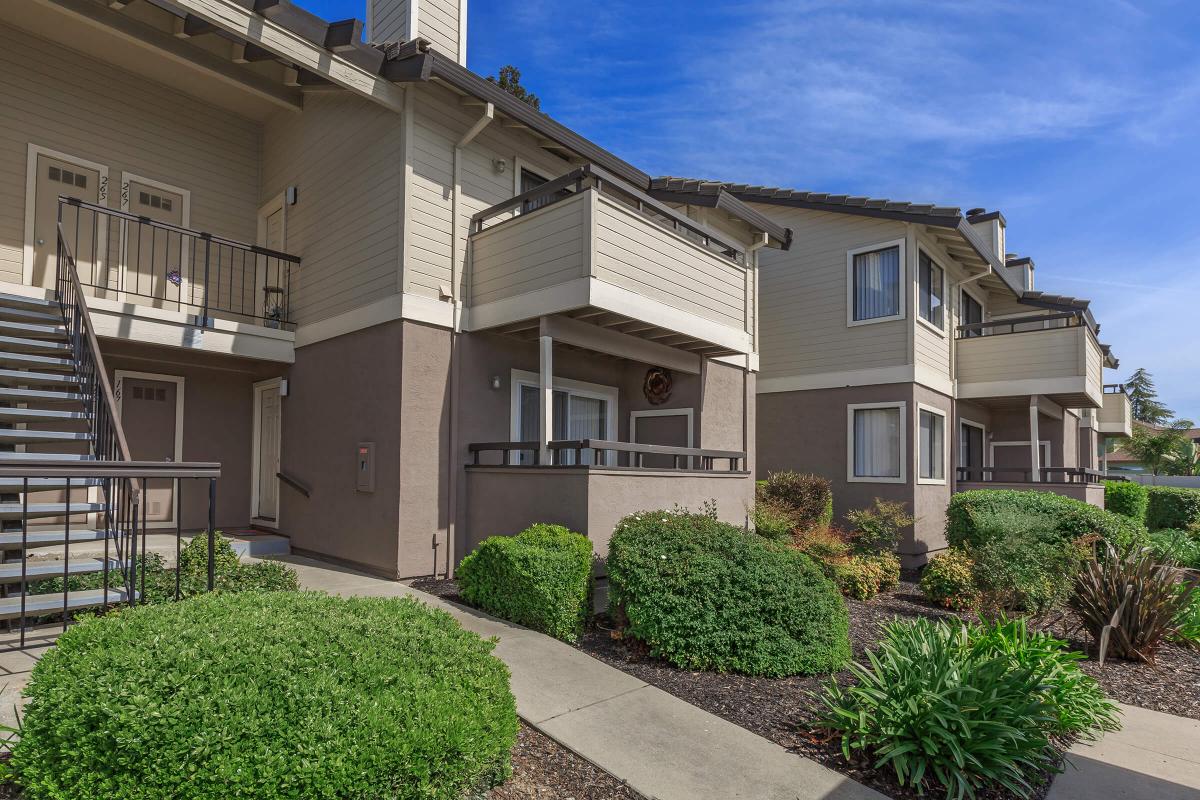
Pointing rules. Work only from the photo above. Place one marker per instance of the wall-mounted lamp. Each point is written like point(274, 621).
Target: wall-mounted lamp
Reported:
point(291, 195)
point(495, 381)
point(499, 164)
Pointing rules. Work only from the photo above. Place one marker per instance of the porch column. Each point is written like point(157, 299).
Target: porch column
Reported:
point(1035, 450)
point(1104, 455)
point(545, 396)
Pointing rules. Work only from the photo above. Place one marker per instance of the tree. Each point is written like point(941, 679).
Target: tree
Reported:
point(1143, 399)
point(1160, 449)
point(510, 81)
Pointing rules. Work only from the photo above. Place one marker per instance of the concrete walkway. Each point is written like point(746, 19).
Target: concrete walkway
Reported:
point(1154, 756)
point(661, 746)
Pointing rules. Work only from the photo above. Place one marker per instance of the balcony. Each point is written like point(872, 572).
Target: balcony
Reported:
point(1115, 416)
point(1055, 355)
point(1077, 483)
point(590, 246)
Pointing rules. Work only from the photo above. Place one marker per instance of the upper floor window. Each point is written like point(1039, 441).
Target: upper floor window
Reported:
point(876, 275)
point(931, 285)
point(971, 313)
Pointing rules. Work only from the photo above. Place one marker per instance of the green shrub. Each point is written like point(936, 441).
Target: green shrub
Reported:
point(807, 499)
point(877, 529)
point(1187, 621)
point(706, 595)
point(1182, 547)
point(1171, 507)
point(773, 520)
point(1128, 498)
point(862, 576)
point(937, 711)
point(1026, 570)
point(949, 580)
point(267, 696)
point(1070, 519)
point(541, 578)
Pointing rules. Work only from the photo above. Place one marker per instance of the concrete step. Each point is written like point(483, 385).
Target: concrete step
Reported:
point(11, 540)
point(8, 455)
point(16, 415)
point(17, 485)
point(18, 344)
point(54, 331)
point(260, 545)
point(11, 394)
point(16, 510)
point(39, 569)
point(32, 316)
point(43, 604)
point(20, 377)
point(9, 300)
point(36, 361)
point(18, 436)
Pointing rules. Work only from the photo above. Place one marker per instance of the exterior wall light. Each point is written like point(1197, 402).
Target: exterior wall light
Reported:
point(495, 381)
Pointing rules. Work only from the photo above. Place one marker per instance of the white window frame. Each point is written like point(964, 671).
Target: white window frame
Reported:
point(987, 450)
point(851, 322)
point(917, 288)
point(945, 445)
point(596, 391)
point(899, 405)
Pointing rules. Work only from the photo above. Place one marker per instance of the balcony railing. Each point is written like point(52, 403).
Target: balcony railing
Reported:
point(1052, 475)
point(571, 453)
point(129, 258)
point(1025, 324)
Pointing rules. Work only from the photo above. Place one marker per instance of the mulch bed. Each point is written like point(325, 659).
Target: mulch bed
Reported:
point(545, 770)
point(782, 709)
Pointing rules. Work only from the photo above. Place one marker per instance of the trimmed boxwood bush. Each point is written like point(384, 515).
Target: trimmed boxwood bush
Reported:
point(1172, 507)
point(265, 696)
point(1070, 519)
point(706, 595)
point(806, 499)
point(1127, 498)
point(541, 578)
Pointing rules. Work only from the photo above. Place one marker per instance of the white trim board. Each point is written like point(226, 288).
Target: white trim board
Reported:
point(902, 407)
point(256, 450)
point(180, 382)
point(34, 151)
point(876, 376)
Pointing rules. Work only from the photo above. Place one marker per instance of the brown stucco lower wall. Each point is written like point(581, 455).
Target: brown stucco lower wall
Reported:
point(217, 420)
point(505, 500)
point(929, 498)
point(343, 391)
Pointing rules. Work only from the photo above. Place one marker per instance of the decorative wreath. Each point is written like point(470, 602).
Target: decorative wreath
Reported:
point(657, 386)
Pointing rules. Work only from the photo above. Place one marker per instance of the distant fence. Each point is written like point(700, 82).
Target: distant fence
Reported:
point(1181, 481)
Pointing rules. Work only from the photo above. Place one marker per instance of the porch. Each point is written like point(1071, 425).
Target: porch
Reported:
point(1078, 483)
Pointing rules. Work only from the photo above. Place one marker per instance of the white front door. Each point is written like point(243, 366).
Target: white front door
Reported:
point(84, 232)
point(266, 450)
point(155, 259)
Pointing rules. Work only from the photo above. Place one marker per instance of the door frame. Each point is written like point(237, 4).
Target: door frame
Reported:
point(31, 176)
point(688, 412)
point(278, 203)
point(256, 450)
point(180, 382)
point(127, 178)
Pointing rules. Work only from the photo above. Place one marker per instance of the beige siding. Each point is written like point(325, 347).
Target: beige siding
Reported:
point(389, 20)
point(536, 251)
point(344, 155)
point(1054, 353)
point(654, 262)
point(437, 21)
point(1116, 415)
point(1093, 363)
point(802, 304)
point(65, 101)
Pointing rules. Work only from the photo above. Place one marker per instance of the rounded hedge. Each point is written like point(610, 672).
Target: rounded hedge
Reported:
point(707, 595)
point(267, 695)
point(1172, 507)
point(1128, 498)
point(969, 514)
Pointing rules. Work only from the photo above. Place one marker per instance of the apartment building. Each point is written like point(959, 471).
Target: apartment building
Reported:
point(905, 354)
point(402, 309)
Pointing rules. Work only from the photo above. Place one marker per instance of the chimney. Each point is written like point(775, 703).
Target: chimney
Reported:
point(1021, 267)
point(443, 23)
point(990, 227)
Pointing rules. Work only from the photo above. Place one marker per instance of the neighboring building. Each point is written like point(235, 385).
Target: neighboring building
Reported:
point(1119, 462)
point(905, 355)
point(420, 312)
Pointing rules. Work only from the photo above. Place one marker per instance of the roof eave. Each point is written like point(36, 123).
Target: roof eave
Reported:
point(780, 235)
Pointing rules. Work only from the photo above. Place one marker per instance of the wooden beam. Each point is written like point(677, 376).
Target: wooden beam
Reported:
point(291, 76)
point(237, 53)
point(253, 53)
point(118, 5)
point(191, 25)
point(267, 30)
point(343, 36)
point(146, 36)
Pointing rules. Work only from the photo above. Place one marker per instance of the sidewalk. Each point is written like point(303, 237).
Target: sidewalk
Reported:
point(663, 747)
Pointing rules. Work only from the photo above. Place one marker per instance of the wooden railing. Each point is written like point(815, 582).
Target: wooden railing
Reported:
point(998, 327)
point(1053, 475)
point(693, 459)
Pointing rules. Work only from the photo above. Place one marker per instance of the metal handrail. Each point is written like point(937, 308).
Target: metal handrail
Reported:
point(295, 484)
point(979, 328)
point(1115, 388)
point(1072, 475)
point(636, 450)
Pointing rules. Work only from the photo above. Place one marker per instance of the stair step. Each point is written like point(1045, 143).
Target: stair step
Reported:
point(17, 344)
point(36, 361)
point(11, 394)
point(18, 436)
point(19, 377)
point(8, 455)
point(15, 415)
point(36, 570)
point(36, 317)
point(11, 540)
point(55, 330)
point(18, 485)
point(43, 604)
point(15, 510)
point(9, 300)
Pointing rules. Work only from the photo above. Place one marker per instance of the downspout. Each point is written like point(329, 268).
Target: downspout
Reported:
point(452, 465)
point(762, 240)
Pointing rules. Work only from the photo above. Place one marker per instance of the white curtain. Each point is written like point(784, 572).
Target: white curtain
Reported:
point(588, 419)
point(877, 284)
point(933, 442)
point(575, 417)
point(877, 442)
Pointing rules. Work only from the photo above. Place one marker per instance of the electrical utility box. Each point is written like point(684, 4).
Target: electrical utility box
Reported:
point(366, 467)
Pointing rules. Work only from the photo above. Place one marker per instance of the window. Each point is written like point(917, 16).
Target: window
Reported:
point(529, 182)
point(876, 443)
point(876, 275)
point(931, 289)
point(581, 411)
point(931, 445)
point(970, 450)
point(972, 313)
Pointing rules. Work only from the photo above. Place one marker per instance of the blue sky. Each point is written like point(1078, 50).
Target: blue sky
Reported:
point(1079, 120)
